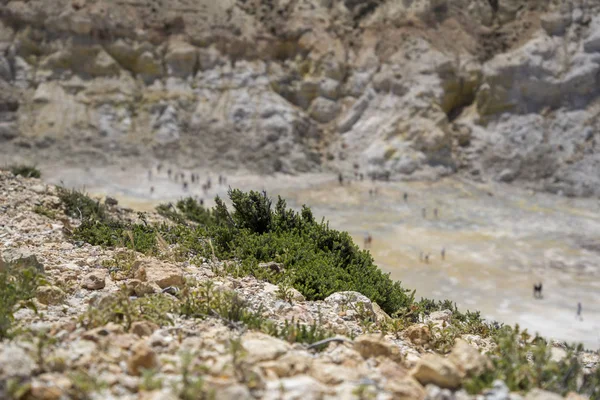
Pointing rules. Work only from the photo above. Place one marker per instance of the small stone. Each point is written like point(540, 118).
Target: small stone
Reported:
point(374, 346)
point(143, 328)
point(332, 374)
point(110, 201)
point(140, 289)
point(435, 369)
point(94, 281)
point(50, 295)
point(142, 357)
point(272, 266)
point(468, 360)
point(418, 334)
point(233, 392)
point(40, 391)
point(39, 189)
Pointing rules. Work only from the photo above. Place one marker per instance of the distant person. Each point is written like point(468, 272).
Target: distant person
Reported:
point(149, 174)
point(426, 258)
point(579, 309)
point(341, 178)
point(201, 202)
point(362, 176)
point(424, 212)
point(185, 186)
point(537, 290)
point(193, 178)
point(405, 197)
point(435, 212)
point(151, 189)
point(158, 167)
point(421, 256)
point(368, 240)
point(169, 173)
point(443, 254)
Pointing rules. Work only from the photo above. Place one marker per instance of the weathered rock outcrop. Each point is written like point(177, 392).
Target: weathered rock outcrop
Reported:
point(504, 90)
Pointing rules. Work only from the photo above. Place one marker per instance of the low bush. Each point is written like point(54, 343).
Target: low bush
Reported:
point(27, 171)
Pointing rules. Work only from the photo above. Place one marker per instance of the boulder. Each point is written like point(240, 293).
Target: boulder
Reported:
point(161, 273)
point(556, 24)
point(437, 370)
point(352, 304)
point(468, 360)
point(15, 362)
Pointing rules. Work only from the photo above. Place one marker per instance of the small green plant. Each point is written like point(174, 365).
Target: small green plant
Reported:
point(27, 171)
point(150, 381)
point(192, 382)
point(17, 288)
point(121, 265)
point(45, 211)
point(285, 293)
point(78, 205)
point(84, 384)
point(122, 310)
point(524, 363)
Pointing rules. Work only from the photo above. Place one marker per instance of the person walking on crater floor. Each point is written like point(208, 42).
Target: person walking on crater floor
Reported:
point(341, 178)
point(443, 253)
point(424, 212)
point(435, 213)
point(426, 258)
point(579, 309)
point(368, 240)
point(405, 197)
point(169, 173)
point(537, 290)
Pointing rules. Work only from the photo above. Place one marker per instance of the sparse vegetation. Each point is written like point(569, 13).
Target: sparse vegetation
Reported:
point(524, 362)
point(317, 261)
point(27, 171)
point(45, 211)
point(17, 288)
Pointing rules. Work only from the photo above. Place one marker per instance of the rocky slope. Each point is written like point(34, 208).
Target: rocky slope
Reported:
point(500, 89)
point(63, 348)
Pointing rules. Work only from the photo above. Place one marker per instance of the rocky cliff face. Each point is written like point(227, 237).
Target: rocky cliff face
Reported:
point(501, 89)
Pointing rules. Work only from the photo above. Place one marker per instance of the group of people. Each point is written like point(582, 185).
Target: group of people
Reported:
point(181, 176)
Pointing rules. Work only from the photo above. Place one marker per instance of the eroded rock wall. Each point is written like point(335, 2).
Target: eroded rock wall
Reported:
point(412, 89)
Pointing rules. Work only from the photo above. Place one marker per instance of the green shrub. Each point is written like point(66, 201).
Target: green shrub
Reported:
point(27, 171)
point(17, 288)
point(78, 205)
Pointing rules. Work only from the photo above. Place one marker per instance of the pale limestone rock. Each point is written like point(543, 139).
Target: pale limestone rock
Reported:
point(299, 387)
point(50, 295)
point(539, 394)
point(94, 281)
point(142, 357)
point(262, 347)
point(437, 370)
point(374, 346)
point(161, 273)
point(351, 304)
point(138, 288)
point(468, 360)
point(103, 65)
